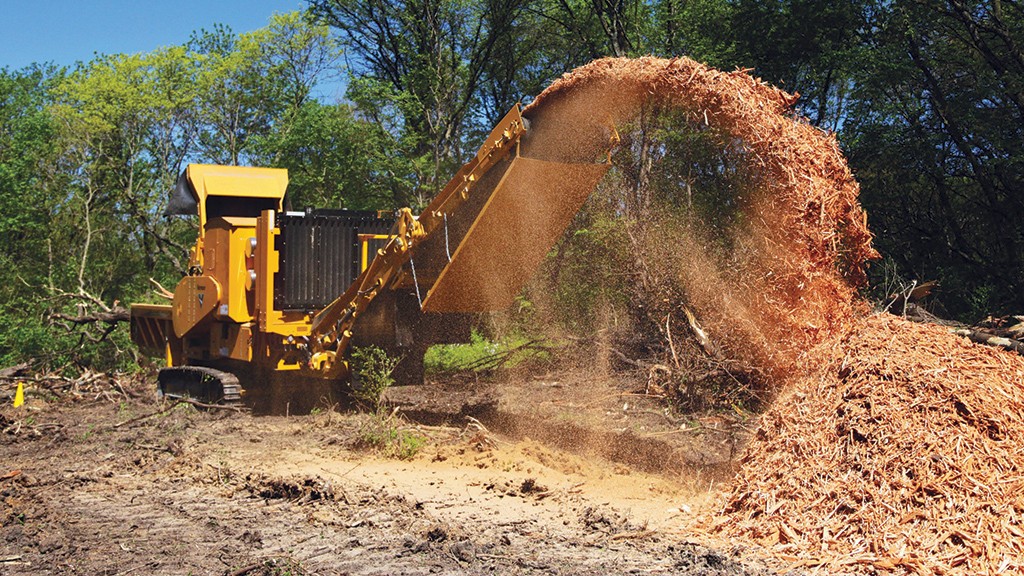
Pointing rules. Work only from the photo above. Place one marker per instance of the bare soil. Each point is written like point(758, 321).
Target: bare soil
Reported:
point(90, 485)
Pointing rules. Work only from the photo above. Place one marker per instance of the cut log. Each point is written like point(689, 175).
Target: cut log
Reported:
point(982, 337)
point(14, 371)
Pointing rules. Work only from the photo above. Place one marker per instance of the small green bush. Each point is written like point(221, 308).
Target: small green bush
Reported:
point(372, 371)
point(383, 432)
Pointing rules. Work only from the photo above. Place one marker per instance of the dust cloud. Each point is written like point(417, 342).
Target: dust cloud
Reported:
point(801, 251)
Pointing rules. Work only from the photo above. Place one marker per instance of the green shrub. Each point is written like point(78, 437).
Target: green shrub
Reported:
point(372, 371)
point(384, 433)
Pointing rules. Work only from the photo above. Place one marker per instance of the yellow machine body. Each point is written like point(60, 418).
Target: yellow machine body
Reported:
point(214, 308)
point(195, 300)
point(282, 291)
point(228, 258)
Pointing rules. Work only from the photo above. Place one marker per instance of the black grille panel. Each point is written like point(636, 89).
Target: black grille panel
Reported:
point(319, 255)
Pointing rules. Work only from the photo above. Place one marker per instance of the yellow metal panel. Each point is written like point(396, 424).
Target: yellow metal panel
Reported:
point(235, 181)
point(241, 348)
point(266, 265)
point(151, 325)
point(238, 181)
point(195, 300)
point(234, 341)
point(240, 221)
point(284, 366)
point(364, 244)
point(240, 300)
point(226, 247)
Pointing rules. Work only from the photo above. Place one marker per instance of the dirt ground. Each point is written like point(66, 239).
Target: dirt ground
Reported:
point(601, 482)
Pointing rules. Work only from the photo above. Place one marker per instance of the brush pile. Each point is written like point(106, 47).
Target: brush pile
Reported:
point(905, 455)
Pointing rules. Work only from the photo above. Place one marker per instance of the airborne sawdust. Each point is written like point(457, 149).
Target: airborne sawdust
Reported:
point(804, 235)
point(892, 447)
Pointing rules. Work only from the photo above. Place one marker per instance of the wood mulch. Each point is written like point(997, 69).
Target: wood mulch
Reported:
point(906, 455)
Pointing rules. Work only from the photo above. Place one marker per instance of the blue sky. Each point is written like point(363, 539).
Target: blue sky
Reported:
point(66, 31)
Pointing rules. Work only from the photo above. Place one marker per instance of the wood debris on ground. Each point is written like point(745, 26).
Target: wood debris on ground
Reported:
point(905, 455)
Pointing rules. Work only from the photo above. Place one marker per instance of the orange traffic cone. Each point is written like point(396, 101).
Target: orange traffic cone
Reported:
point(19, 395)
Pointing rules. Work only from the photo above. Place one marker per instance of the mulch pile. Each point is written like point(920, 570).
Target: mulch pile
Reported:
point(899, 448)
point(906, 454)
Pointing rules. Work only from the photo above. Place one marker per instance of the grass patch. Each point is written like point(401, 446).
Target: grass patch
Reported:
point(384, 433)
point(481, 354)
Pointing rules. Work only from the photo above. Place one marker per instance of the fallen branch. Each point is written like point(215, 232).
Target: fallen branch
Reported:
point(627, 360)
point(982, 337)
point(124, 392)
point(57, 384)
point(918, 313)
point(104, 321)
point(112, 317)
point(273, 562)
point(12, 372)
point(206, 406)
point(702, 337)
point(668, 338)
point(975, 334)
point(249, 569)
point(37, 379)
point(633, 534)
point(161, 291)
point(18, 427)
point(195, 403)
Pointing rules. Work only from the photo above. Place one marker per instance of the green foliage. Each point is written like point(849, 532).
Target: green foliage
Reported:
point(372, 371)
point(480, 354)
point(585, 274)
point(335, 159)
point(384, 433)
point(934, 132)
point(25, 337)
point(26, 148)
point(27, 156)
point(421, 67)
point(450, 358)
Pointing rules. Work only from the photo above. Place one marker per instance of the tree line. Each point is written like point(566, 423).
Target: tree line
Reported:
point(926, 97)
